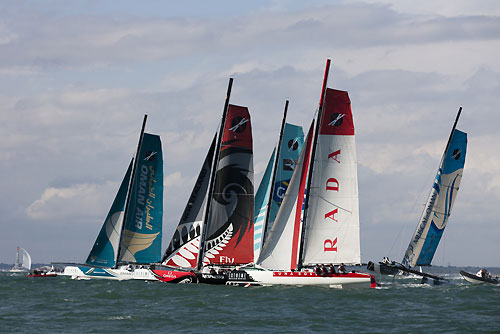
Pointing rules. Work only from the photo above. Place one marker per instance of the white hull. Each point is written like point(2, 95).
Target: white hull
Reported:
point(473, 280)
point(307, 277)
point(120, 274)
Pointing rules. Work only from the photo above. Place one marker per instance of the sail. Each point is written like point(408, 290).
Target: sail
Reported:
point(437, 210)
point(332, 222)
point(183, 248)
point(229, 229)
point(26, 259)
point(261, 200)
point(280, 250)
point(104, 251)
point(141, 236)
point(290, 147)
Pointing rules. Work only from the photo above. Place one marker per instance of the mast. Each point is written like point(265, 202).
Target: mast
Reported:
point(17, 258)
point(416, 238)
point(215, 164)
point(451, 134)
point(311, 166)
point(273, 178)
point(132, 178)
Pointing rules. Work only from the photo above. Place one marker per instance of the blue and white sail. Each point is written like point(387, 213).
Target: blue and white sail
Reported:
point(291, 144)
point(142, 232)
point(437, 210)
point(105, 249)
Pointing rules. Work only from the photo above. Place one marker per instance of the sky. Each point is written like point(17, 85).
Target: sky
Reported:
point(76, 78)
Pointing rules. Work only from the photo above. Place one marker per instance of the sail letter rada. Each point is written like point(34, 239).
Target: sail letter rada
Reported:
point(332, 228)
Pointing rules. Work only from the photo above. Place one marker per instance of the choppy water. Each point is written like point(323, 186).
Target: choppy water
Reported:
point(62, 305)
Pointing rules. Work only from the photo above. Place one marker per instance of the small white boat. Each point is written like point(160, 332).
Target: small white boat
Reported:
point(23, 261)
point(477, 279)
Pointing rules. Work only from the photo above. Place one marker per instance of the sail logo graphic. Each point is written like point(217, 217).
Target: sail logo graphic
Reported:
point(293, 144)
point(238, 124)
point(288, 165)
point(280, 190)
point(456, 154)
point(336, 119)
point(150, 156)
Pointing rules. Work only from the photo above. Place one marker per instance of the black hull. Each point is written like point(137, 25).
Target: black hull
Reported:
point(227, 277)
point(384, 268)
point(395, 268)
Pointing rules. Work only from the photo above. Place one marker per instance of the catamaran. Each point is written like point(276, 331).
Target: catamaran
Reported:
point(23, 261)
point(130, 238)
point(425, 239)
point(216, 228)
point(317, 229)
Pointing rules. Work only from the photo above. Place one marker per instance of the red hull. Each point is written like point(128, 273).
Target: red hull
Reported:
point(42, 275)
point(174, 276)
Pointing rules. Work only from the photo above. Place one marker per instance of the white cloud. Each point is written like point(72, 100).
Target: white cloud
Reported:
point(66, 203)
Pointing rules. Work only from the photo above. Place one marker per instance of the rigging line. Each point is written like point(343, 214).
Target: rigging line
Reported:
point(335, 205)
point(431, 174)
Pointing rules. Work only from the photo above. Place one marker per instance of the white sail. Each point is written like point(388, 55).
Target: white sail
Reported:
point(332, 221)
point(280, 250)
point(26, 259)
point(23, 261)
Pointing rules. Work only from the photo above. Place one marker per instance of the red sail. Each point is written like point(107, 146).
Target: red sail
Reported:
point(230, 226)
point(337, 116)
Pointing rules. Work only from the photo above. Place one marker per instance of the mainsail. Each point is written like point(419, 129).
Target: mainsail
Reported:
point(104, 251)
point(280, 250)
point(23, 260)
point(332, 221)
point(426, 237)
point(290, 147)
point(26, 264)
point(229, 228)
point(183, 248)
point(142, 230)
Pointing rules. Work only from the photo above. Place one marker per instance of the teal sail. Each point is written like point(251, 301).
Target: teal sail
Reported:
point(141, 236)
point(425, 240)
point(261, 200)
point(290, 147)
point(104, 251)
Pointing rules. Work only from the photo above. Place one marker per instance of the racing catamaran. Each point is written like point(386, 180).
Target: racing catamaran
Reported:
point(425, 239)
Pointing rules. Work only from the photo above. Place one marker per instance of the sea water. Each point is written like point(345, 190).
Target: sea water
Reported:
point(62, 305)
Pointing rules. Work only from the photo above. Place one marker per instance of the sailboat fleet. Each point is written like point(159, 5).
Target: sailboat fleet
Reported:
point(301, 227)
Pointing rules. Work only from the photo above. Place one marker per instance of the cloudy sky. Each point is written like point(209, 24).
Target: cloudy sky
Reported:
point(76, 78)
